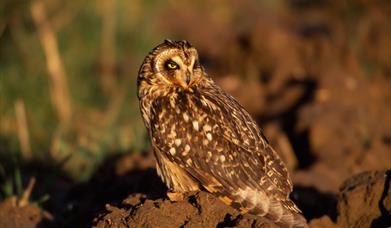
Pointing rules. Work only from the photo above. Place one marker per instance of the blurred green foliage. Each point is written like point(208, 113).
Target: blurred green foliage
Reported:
point(104, 121)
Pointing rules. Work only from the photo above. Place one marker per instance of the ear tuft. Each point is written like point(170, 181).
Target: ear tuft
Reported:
point(187, 43)
point(169, 42)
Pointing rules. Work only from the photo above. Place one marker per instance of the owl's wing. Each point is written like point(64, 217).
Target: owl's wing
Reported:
point(239, 128)
point(191, 134)
point(218, 143)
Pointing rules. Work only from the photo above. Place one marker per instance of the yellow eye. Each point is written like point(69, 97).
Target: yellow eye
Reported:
point(172, 65)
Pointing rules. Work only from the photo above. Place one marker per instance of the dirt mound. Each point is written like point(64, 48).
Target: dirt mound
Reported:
point(148, 205)
point(370, 190)
point(364, 201)
point(12, 215)
point(199, 210)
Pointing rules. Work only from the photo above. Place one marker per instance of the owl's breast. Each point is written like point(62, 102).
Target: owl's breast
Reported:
point(176, 121)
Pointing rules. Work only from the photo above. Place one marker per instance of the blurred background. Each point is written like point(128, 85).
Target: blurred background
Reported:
point(314, 74)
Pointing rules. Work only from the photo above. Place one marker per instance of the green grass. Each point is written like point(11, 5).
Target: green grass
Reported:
point(97, 129)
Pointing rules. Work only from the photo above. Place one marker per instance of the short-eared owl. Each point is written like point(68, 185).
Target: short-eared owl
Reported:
point(204, 139)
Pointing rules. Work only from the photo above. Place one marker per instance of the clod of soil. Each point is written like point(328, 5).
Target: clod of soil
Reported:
point(364, 201)
point(370, 191)
point(11, 215)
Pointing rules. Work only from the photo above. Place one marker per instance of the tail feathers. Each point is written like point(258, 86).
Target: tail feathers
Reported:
point(280, 210)
point(283, 212)
point(292, 219)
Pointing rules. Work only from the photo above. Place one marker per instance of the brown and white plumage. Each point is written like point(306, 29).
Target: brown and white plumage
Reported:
point(204, 139)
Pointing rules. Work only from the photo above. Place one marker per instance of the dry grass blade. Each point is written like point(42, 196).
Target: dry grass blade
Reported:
point(108, 46)
point(58, 82)
point(23, 130)
point(26, 194)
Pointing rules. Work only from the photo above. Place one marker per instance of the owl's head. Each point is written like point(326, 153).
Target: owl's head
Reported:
point(173, 64)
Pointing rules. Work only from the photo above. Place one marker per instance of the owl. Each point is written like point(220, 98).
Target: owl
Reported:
point(203, 139)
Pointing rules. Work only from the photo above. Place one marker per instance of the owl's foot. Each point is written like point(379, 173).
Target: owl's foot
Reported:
point(175, 196)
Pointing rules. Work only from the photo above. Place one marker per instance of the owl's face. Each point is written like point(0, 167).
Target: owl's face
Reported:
point(173, 64)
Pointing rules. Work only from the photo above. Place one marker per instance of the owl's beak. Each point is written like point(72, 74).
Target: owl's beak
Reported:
point(187, 77)
point(185, 80)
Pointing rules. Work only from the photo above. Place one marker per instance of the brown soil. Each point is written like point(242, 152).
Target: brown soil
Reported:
point(369, 191)
point(363, 201)
point(12, 215)
point(199, 210)
point(140, 209)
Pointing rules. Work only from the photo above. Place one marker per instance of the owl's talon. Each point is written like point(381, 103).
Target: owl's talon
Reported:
point(175, 196)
